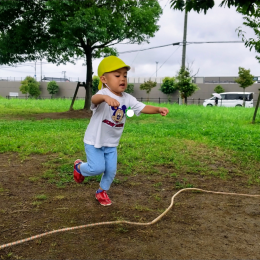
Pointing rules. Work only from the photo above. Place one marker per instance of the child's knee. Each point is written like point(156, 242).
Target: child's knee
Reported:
point(98, 169)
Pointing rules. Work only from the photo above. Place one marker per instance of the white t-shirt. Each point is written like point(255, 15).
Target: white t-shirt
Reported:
point(107, 124)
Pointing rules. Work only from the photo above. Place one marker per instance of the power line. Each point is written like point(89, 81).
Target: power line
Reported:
point(167, 59)
point(166, 4)
point(178, 43)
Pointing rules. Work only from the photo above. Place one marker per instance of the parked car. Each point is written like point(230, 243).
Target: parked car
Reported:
point(231, 99)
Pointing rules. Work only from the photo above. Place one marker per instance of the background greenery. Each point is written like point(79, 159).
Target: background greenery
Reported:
point(147, 140)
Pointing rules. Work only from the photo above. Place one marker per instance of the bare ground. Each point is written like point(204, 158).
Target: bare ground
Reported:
point(200, 226)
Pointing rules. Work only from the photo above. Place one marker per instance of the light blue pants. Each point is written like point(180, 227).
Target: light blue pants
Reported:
point(100, 160)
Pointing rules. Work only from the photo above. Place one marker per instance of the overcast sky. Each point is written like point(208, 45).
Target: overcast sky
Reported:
point(213, 59)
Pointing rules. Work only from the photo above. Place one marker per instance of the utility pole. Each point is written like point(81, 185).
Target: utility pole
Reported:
point(156, 68)
point(184, 40)
point(184, 47)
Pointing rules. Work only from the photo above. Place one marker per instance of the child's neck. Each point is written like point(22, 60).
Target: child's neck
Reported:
point(120, 94)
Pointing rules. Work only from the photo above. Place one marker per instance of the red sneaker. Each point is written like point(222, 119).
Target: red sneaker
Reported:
point(103, 198)
point(78, 177)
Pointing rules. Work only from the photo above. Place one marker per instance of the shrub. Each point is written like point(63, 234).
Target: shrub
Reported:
point(219, 89)
point(52, 88)
point(148, 85)
point(31, 86)
point(130, 88)
point(168, 86)
point(95, 82)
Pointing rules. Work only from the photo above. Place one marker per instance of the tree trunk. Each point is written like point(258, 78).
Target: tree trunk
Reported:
point(186, 100)
point(88, 79)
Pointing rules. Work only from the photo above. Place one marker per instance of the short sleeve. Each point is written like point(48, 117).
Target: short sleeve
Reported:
point(136, 105)
point(94, 107)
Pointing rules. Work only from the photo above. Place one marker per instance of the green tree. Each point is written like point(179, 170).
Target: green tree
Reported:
point(147, 86)
point(168, 86)
point(61, 31)
point(24, 87)
point(252, 21)
point(244, 80)
point(95, 82)
point(247, 6)
point(52, 88)
point(219, 89)
point(32, 87)
point(184, 84)
point(130, 88)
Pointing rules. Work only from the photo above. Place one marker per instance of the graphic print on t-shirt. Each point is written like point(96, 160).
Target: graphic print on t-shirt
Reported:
point(117, 117)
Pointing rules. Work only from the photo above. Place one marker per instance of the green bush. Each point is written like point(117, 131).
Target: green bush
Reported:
point(130, 88)
point(219, 89)
point(52, 88)
point(147, 86)
point(30, 86)
point(168, 86)
point(95, 82)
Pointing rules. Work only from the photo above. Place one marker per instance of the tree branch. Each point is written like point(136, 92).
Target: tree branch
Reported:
point(105, 44)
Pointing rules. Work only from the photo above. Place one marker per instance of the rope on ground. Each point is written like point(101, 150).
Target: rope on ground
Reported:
point(123, 221)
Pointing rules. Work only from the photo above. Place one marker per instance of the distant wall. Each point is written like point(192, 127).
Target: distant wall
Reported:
point(67, 89)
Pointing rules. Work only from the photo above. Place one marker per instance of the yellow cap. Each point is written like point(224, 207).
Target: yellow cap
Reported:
point(108, 64)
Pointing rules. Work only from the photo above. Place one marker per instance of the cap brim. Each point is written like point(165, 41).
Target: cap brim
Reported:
point(117, 68)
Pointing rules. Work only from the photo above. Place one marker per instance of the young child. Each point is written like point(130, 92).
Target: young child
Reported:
point(106, 125)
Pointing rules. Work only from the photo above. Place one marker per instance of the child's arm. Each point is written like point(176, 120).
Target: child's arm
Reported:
point(155, 110)
point(98, 98)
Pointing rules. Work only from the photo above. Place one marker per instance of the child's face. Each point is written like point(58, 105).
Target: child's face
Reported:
point(116, 80)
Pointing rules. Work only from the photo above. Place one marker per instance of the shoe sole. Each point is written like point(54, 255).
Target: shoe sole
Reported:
point(103, 204)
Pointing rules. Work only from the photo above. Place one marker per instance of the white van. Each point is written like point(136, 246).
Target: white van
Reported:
point(231, 99)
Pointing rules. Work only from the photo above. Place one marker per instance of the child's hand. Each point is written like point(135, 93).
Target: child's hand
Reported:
point(163, 111)
point(112, 102)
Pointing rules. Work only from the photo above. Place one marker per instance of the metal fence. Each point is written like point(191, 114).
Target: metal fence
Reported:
point(155, 100)
point(190, 101)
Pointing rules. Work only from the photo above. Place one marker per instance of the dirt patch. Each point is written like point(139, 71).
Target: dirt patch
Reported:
point(200, 226)
point(81, 113)
point(74, 114)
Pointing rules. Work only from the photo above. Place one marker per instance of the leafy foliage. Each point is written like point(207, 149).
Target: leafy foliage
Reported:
point(252, 21)
point(61, 31)
point(31, 86)
point(24, 87)
point(245, 80)
point(147, 86)
point(219, 89)
point(246, 6)
point(184, 84)
point(52, 88)
point(168, 86)
point(95, 82)
point(130, 88)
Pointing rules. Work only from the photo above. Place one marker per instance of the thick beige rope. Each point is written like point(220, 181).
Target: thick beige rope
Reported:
point(122, 221)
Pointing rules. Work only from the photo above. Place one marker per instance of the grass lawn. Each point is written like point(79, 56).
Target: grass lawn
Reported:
point(147, 140)
point(212, 148)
